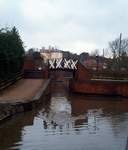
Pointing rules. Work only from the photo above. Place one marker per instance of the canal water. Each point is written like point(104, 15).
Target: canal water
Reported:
point(69, 121)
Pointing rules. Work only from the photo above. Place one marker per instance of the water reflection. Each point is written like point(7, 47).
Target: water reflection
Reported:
point(11, 131)
point(76, 121)
point(58, 113)
point(80, 114)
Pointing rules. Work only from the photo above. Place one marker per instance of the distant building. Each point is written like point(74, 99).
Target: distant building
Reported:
point(95, 63)
point(50, 53)
point(33, 62)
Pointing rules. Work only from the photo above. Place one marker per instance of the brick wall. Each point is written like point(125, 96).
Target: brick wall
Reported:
point(100, 87)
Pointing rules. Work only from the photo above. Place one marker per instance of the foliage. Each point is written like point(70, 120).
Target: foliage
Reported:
point(11, 52)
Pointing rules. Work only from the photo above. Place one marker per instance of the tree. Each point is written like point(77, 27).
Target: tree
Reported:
point(119, 49)
point(11, 52)
point(83, 57)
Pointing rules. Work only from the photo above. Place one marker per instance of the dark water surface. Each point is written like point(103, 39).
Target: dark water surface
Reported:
point(69, 122)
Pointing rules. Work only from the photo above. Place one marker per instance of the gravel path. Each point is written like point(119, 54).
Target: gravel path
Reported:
point(22, 90)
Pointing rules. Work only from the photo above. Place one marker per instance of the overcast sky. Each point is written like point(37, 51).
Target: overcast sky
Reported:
point(75, 25)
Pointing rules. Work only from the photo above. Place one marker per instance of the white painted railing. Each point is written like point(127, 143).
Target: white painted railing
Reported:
point(63, 64)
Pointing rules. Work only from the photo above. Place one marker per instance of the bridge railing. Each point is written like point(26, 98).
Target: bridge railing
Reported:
point(63, 64)
point(105, 74)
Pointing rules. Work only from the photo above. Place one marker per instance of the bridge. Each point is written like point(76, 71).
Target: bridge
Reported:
point(63, 64)
point(62, 69)
point(82, 79)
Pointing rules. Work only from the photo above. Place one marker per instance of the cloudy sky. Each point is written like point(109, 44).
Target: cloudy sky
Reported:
point(75, 25)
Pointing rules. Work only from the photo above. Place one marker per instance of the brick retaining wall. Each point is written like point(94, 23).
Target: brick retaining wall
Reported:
point(104, 87)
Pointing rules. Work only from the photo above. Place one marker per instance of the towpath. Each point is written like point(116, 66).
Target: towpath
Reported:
point(23, 90)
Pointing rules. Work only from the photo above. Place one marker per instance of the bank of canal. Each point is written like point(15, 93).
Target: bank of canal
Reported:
point(69, 121)
point(24, 95)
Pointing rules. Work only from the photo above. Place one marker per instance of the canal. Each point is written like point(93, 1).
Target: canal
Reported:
point(69, 121)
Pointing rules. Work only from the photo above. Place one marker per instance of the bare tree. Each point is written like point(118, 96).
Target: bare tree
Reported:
point(119, 49)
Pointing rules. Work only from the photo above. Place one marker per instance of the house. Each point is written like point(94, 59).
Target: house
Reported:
point(95, 63)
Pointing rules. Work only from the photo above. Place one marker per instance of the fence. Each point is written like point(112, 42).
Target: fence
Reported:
point(110, 75)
